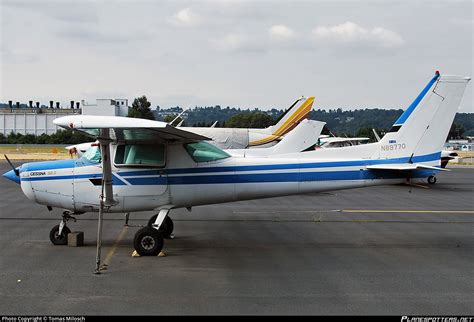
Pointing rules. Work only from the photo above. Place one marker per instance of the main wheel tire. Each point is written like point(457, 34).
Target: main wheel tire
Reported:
point(57, 239)
point(148, 241)
point(166, 228)
point(432, 179)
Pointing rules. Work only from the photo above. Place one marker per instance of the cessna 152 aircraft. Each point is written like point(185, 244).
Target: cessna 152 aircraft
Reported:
point(150, 165)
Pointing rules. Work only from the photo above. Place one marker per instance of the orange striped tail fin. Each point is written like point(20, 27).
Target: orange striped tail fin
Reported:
point(293, 117)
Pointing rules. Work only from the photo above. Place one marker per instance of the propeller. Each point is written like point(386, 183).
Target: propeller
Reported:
point(17, 172)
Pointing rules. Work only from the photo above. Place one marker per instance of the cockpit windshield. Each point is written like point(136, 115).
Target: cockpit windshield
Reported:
point(205, 152)
point(92, 155)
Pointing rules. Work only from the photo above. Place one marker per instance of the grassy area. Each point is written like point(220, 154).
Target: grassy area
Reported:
point(465, 154)
point(33, 152)
point(465, 158)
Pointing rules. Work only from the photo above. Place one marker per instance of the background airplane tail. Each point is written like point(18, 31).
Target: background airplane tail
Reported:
point(420, 132)
point(304, 136)
point(293, 116)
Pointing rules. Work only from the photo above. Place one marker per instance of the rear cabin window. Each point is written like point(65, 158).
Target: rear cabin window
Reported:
point(205, 152)
point(140, 155)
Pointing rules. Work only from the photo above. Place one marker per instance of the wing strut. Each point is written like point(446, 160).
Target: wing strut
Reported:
point(106, 198)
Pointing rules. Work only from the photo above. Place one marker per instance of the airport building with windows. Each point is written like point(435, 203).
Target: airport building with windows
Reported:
point(37, 119)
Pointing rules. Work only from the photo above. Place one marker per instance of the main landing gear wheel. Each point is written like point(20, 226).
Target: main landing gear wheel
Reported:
point(432, 179)
point(166, 227)
point(57, 239)
point(148, 241)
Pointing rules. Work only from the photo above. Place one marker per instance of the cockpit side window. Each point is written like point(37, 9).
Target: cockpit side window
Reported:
point(152, 155)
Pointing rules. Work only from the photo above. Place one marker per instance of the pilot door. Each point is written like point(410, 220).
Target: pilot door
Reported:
point(140, 177)
point(87, 182)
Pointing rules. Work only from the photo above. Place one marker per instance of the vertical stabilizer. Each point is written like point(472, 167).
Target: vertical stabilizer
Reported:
point(422, 129)
point(297, 112)
point(293, 116)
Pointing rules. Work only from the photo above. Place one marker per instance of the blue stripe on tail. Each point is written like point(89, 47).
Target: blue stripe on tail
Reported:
point(415, 103)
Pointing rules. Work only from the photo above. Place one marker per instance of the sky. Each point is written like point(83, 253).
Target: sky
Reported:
point(248, 54)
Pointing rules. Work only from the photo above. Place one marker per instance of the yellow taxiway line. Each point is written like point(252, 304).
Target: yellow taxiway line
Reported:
point(112, 251)
point(359, 211)
point(409, 211)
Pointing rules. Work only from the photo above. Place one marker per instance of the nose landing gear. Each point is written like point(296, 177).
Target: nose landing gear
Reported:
point(59, 238)
point(58, 235)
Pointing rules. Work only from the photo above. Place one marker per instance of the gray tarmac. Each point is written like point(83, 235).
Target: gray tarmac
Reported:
point(397, 250)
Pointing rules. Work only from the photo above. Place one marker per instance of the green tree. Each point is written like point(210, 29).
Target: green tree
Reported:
point(367, 132)
point(42, 139)
point(250, 120)
point(15, 138)
point(457, 131)
point(141, 109)
point(170, 117)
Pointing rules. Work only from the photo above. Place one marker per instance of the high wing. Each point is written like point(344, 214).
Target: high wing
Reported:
point(404, 167)
point(127, 129)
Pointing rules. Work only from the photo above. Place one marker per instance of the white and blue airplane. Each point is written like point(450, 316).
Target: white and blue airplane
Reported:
point(150, 165)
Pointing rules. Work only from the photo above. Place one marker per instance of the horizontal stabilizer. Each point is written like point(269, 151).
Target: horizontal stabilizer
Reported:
point(305, 135)
point(301, 138)
point(404, 167)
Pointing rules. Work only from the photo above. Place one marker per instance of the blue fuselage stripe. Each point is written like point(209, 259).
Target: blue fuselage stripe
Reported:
point(256, 178)
point(245, 178)
point(276, 177)
point(160, 177)
point(115, 180)
point(289, 166)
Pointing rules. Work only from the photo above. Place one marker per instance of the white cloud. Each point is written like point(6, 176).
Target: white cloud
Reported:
point(239, 42)
point(18, 56)
point(186, 18)
point(352, 33)
point(71, 12)
point(281, 33)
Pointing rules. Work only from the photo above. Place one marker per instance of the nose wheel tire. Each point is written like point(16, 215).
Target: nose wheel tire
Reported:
point(432, 180)
point(57, 239)
point(166, 227)
point(148, 241)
